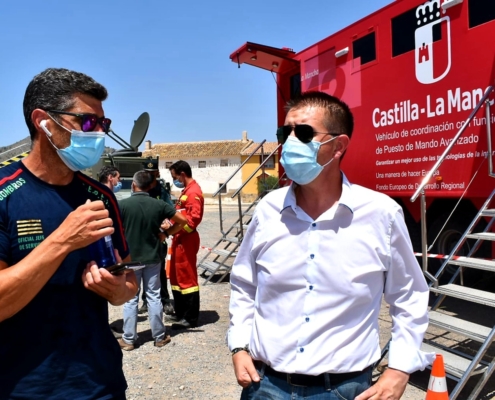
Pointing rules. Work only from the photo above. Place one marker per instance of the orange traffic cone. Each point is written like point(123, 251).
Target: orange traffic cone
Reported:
point(437, 387)
point(167, 260)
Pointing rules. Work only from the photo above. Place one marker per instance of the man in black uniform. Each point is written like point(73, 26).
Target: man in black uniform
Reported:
point(158, 191)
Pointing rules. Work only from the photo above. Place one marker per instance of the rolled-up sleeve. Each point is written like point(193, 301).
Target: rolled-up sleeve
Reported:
point(407, 293)
point(194, 211)
point(243, 291)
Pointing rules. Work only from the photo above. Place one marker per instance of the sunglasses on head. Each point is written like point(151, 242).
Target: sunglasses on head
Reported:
point(303, 132)
point(88, 121)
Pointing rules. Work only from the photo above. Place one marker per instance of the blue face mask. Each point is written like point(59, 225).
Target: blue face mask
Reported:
point(299, 160)
point(84, 151)
point(178, 184)
point(117, 187)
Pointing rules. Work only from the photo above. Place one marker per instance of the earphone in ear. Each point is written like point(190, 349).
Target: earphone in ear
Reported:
point(43, 126)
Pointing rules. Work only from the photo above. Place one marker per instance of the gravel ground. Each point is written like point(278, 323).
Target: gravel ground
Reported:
point(197, 363)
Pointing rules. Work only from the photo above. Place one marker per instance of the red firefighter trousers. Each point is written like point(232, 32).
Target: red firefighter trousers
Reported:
point(184, 276)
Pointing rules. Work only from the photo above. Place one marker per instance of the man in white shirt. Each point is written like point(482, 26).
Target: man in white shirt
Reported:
point(311, 271)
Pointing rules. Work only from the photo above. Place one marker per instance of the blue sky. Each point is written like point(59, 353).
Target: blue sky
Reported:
point(170, 59)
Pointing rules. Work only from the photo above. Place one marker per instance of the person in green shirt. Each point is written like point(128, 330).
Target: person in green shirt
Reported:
point(159, 191)
point(142, 216)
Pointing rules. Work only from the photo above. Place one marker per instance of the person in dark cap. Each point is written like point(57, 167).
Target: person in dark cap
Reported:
point(151, 165)
point(158, 191)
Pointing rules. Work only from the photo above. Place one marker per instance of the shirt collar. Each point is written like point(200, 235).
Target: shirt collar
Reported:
point(345, 198)
point(290, 198)
point(191, 183)
point(140, 194)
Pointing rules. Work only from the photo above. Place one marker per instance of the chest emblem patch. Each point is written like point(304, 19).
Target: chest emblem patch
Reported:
point(29, 233)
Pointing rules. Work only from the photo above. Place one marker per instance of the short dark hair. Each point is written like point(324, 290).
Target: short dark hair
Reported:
point(181, 166)
point(338, 116)
point(106, 171)
point(54, 89)
point(143, 180)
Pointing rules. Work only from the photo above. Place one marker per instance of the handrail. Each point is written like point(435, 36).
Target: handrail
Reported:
point(238, 169)
point(255, 171)
point(424, 236)
point(489, 137)
point(451, 144)
point(421, 188)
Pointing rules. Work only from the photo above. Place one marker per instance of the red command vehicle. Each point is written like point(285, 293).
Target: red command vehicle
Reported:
point(412, 73)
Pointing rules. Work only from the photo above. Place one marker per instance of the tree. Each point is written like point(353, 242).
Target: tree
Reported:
point(267, 183)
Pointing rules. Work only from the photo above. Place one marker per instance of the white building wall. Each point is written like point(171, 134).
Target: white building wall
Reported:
point(210, 177)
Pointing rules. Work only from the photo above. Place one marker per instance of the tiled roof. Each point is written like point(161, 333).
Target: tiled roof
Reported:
point(184, 150)
point(268, 148)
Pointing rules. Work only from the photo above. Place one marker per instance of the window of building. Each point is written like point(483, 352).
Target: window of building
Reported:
point(481, 12)
point(404, 28)
point(270, 162)
point(201, 164)
point(168, 164)
point(365, 47)
point(224, 162)
point(224, 189)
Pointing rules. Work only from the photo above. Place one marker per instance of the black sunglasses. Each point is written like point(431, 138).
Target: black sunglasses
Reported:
point(304, 133)
point(88, 121)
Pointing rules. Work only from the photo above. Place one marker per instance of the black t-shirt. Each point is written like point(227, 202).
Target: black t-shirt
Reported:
point(60, 345)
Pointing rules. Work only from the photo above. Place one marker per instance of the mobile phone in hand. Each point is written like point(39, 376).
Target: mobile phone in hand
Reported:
point(122, 268)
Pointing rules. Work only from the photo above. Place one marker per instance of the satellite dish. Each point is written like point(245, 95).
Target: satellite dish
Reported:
point(138, 134)
point(139, 130)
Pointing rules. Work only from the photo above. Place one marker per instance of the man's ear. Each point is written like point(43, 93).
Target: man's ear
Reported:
point(39, 117)
point(341, 145)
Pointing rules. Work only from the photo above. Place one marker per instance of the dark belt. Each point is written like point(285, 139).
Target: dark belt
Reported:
point(313, 380)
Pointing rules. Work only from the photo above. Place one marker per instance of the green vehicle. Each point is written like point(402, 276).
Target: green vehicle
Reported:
point(129, 160)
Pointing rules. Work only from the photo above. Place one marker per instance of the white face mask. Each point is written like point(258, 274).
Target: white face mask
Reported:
point(299, 160)
point(85, 148)
point(117, 187)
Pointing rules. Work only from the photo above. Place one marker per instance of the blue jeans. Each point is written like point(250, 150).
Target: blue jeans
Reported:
point(150, 275)
point(274, 388)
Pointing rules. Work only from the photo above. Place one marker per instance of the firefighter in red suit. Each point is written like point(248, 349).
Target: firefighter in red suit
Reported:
point(185, 247)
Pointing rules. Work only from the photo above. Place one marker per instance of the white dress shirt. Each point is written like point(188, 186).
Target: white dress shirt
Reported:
point(306, 293)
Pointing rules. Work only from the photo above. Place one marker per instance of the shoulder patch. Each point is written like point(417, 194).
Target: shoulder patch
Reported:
point(10, 184)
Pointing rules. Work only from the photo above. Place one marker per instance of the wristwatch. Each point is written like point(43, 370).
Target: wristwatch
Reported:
point(238, 349)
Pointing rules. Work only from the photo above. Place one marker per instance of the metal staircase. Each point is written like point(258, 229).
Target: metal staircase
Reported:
point(217, 263)
point(462, 364)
